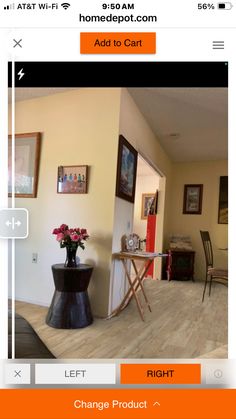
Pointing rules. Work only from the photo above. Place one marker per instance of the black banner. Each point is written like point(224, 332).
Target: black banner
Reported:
point(119, 74)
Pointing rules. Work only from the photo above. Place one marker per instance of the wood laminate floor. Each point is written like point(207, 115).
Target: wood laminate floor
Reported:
point(180, 326)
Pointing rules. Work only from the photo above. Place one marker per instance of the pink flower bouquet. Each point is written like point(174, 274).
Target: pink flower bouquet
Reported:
point(71, 237)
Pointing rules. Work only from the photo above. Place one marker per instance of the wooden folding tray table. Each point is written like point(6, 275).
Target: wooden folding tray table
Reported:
point(146, 258)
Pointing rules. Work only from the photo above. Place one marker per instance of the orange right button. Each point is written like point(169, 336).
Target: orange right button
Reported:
point(160, 373)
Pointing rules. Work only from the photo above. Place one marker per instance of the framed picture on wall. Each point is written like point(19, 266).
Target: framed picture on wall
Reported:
point(192, 199)
point(126, 170)
point(72, 179)
point(148, 202)
point(27, 156)
point(223, 201)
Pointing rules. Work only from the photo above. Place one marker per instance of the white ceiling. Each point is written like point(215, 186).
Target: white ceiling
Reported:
point(197, 115)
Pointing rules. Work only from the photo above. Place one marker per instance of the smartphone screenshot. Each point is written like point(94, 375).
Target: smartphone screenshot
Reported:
point(117, 210)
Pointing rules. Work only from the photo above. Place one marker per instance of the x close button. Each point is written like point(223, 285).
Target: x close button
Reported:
point(17, 374)
point(117, 43)
point(17, 43)
point(160, 374)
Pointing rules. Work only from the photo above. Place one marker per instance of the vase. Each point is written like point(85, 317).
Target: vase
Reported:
point(71, 257)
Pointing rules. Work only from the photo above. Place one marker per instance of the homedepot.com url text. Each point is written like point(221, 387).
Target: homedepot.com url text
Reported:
point(116, 18)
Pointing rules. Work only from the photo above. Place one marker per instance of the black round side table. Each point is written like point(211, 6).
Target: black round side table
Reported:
point(70, 306)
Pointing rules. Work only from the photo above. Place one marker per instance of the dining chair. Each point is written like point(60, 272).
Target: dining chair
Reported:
point(211, 272)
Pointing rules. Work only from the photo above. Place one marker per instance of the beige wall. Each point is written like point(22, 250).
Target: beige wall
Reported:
point(136, 130)
point(208, 173)
point(78, 127)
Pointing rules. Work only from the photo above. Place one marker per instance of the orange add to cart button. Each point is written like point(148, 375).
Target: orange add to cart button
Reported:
point(160, 374)
point(117, 43)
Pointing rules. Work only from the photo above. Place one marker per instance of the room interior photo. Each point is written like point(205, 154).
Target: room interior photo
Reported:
point(72, 147)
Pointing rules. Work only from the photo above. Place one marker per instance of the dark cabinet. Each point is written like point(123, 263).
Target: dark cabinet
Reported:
point(180, 264)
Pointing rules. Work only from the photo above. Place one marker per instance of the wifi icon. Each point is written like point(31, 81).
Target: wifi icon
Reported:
point(65, 5)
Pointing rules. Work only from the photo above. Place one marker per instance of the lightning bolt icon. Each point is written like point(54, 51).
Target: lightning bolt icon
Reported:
point(21, 74)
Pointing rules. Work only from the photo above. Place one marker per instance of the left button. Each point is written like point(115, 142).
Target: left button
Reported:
point(75, 373)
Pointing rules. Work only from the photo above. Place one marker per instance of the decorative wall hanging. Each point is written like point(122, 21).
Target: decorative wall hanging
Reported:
point(192, 199)
point(27, 156)
point(126, 170)
point(72, 179)
point(223, 201)
point(148, 205)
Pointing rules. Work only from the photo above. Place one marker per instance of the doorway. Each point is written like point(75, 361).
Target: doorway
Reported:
point(127, 220)
point(148, 181)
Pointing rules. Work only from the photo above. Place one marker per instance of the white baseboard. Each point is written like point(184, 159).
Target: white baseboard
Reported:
point(35, 302)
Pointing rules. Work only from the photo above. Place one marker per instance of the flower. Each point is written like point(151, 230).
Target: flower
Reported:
point(60, 237)
point(71, 237)
point(74, 237)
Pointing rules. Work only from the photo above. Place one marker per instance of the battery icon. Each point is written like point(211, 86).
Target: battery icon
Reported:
point(225, 6)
